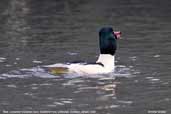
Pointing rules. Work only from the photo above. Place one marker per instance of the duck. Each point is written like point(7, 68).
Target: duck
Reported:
point(105, 62)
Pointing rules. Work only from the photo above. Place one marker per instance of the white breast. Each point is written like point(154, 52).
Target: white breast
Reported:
point(107, 60)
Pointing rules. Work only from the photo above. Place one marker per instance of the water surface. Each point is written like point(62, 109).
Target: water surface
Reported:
point(42, 32)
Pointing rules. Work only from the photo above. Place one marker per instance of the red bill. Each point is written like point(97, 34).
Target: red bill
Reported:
point(118, 34)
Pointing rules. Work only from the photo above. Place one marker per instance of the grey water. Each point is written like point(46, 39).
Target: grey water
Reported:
point(43, 32)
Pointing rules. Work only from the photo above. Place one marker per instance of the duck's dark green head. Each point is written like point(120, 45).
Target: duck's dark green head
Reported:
point(107, 40)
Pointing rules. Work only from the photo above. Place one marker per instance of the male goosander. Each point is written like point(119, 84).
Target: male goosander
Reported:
point(106, 60)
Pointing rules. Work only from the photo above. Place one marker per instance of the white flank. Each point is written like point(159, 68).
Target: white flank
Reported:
point(106, 59)
point(81, 68)
point(56, 65)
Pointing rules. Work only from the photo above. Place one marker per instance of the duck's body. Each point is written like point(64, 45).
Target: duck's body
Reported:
point(105, 63)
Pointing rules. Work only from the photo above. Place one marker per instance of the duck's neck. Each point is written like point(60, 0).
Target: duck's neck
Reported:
point(107, 60)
